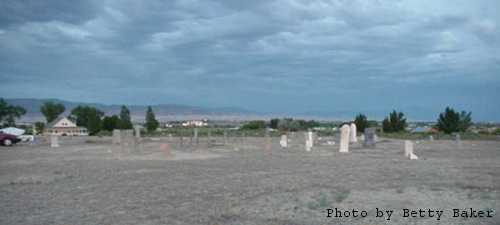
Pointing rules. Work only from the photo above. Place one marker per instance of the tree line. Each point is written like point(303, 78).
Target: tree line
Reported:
point(94, 120)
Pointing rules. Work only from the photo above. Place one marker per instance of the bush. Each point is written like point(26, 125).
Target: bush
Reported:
point(254, 125)
point(396, 122)
point(450, 121)
point(361, 123)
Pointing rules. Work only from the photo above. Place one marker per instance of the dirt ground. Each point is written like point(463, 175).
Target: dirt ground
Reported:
point(91, 181)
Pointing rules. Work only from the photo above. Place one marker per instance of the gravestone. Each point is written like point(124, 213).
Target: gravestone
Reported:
point(195, 134)
point(409, 150)
point(54, 141)
point(309, 141)
point(267, 144)
point(225, 137)
point(353, 137)
point(116, 137)
point(137, 131)
point(128, 141)
point(284, 141)
point(209, 137)
point(344, 138)
point(369, 137)
point(167, 151)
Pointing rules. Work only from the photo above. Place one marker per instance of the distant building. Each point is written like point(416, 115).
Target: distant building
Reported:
point(62, 126)
point(195, 123)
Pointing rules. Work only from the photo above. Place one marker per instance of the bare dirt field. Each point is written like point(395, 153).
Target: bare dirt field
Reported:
point(90, 181)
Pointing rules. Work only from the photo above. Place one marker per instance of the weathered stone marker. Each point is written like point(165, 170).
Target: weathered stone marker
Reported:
point(353, 137)
point(128, 141)
point(209, 137)
point(309, 141)
point(344, 138)
point(409, 150)
point(284, 141)
point(116, 137)
point(370, 137)
point(167, 151)
point(225, 137)
point(54, 141)
point(137, 131)
point(267, 143)
point(195, 134)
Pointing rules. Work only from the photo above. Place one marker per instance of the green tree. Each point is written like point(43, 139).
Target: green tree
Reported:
point(361, 122)
point(254, 125)
point(451, 121)
point(51, 110)
point(39, 127)
point(110, 123)
point(88, 117)
point(273, 123)
point(125, 121)
point(465, 121)
point(151, 122)
point(9, 113)
point(396, 122)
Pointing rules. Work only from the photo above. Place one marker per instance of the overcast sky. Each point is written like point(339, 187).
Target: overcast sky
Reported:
point(282, 56)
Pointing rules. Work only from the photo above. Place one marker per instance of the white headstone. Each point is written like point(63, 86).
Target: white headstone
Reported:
point(309, 141)
point(408, 148)
point(353, 137)
point(54, 141)
point(284, 141)
point(196, 135)
point(137, 131)
point(116, 136)
point(344, 138)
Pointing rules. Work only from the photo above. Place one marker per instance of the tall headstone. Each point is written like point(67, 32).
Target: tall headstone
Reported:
point(284, 141)
point(209, 137)
point(409, 150)
point(116, 137)
point(309, 140)
point(370, 139)
point(137, 131)
point(225, 137)
point(54, 141)
point(267, 144)
point(353, 137)
point(195, 134)
point(344, 138)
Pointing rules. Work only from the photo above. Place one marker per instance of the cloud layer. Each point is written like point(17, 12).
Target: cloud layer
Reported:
point(283, 56)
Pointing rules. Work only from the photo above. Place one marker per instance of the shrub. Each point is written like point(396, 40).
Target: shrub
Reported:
point(396, 122)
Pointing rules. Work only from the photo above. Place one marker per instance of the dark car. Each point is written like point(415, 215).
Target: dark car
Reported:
point(8, 139)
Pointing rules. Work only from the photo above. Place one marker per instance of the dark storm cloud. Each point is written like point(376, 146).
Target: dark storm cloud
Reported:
point(281, 56)
point(21, 11)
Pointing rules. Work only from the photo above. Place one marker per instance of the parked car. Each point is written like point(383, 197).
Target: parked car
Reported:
point(8, 139)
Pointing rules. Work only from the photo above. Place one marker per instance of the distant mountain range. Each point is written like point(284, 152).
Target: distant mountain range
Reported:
point(162, 111)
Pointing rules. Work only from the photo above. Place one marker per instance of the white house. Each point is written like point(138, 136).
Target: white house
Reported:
point(195, 123)
point(62, 126)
